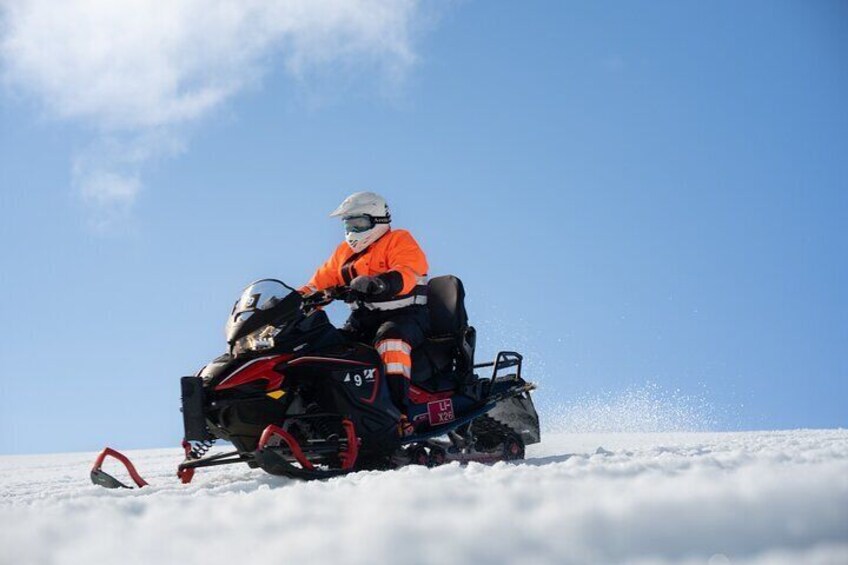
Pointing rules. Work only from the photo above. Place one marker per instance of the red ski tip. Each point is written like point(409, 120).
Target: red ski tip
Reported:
point(99, 477)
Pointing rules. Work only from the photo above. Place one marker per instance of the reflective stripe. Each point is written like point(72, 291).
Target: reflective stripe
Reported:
point(420, 280)
point(397, 357)
point(398, 369)
point(396, 304)
point(393, 345)
point(417, 296)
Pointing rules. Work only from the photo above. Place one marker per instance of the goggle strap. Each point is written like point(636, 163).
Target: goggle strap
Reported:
point(373, 219)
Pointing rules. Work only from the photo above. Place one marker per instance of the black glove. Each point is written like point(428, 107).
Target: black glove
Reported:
point(314, 300)
point(368, 286)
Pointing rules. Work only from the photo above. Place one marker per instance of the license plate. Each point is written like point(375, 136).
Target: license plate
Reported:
point(440, 412)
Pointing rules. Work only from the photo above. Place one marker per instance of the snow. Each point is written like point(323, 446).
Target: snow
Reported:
point(706, 498)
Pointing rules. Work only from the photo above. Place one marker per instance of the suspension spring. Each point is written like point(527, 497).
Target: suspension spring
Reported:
point(199, 448)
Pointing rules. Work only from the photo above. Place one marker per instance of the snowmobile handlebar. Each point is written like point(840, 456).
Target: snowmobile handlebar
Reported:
point(324, 297)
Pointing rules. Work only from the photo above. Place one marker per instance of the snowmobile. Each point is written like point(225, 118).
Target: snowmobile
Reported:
point(297, 397)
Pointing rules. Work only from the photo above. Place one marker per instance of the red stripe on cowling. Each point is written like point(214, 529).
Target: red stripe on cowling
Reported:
point(262, 368)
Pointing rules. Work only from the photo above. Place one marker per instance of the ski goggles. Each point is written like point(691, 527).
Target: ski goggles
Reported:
point(359, 224)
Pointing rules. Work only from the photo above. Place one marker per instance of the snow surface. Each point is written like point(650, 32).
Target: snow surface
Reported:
point(712, 498)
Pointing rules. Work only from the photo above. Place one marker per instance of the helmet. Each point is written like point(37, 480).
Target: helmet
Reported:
point(366, 218)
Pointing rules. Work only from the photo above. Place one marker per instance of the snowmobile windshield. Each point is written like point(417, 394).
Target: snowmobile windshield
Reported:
point(257, 299)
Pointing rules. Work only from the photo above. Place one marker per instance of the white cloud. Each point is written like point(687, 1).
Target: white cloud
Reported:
point(138, 71)
point(108, 172)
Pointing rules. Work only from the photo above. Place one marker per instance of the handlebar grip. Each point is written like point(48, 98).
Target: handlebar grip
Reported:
point(325, 297)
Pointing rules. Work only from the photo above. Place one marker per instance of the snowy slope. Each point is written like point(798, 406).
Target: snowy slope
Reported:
point(767, 497)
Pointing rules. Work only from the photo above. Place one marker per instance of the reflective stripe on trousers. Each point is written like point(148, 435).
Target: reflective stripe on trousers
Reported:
point(397, 357)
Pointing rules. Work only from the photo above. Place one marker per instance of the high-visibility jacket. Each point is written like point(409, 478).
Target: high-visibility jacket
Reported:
point(396, 258)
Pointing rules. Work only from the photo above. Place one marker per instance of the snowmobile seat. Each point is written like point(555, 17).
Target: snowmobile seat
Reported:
point(449, 347)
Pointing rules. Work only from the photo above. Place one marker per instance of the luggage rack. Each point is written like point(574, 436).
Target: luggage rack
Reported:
point(504, 360)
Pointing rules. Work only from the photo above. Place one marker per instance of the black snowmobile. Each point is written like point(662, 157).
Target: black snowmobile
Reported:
point(297, 398)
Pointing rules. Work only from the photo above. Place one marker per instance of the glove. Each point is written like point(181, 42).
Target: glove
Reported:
point(368, 286)
point(405, 428)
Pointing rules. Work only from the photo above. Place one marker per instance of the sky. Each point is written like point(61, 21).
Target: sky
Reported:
point(644, 198)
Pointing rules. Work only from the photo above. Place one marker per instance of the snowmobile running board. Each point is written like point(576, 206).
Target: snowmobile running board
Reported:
point(436, 432)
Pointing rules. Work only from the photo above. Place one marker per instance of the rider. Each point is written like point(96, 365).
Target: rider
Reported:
point(386, 271)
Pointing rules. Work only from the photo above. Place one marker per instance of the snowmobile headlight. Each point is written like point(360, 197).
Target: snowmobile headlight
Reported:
point(260, 340)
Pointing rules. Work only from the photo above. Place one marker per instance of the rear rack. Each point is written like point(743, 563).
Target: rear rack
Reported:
point(504, 360)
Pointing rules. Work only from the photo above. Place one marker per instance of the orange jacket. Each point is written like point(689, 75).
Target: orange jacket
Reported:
point(396, 251)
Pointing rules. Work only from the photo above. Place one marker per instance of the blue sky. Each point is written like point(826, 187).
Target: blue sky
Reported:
point(640, 192)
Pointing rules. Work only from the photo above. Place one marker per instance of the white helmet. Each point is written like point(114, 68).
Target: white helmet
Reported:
point(366, 218)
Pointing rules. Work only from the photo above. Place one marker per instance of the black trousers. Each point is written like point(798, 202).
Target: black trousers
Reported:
point(409, 325)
